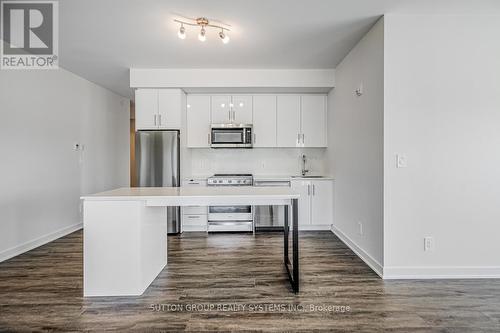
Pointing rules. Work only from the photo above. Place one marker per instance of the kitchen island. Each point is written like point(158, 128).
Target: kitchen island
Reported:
point(125, 232)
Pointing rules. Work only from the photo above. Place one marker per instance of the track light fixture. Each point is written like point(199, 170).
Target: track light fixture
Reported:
point(203, 23)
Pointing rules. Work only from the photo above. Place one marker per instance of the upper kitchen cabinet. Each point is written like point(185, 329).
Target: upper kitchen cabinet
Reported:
point(198, 121)
point(264, 121)
point(231, 109)
point(170, 108)
point(158, 108)
point(242, 108)
point(221, 109)
point(313, 121)
point(288, 121)
point(146, 109)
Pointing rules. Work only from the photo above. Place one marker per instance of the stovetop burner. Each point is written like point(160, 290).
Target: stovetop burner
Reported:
point(224, 179)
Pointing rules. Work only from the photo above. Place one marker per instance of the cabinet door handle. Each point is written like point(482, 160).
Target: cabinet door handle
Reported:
point(229, 115)
point(208, 139)
point(308, 189)
point(303, 140)
point(314, 189)
point(254, 136)
point(159, 120)
point(193, 217)
point(154, 119)
point(298, 138)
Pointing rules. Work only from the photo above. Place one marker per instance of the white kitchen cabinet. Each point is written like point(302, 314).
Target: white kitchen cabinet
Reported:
point(194, 218)
point(288, 121)
point(303, 187)
point(221, 109)
point(242, 107)
point(158, 108)
point(146, 109)
point(322, 202)
point(313, 121)
point(315, 202)
point(194, 223)
point(198, 121)
point(264, 121)
point(170, 108)
point(232, 109)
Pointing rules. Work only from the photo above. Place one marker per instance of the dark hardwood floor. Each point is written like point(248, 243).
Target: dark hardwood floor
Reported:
point(42, 291)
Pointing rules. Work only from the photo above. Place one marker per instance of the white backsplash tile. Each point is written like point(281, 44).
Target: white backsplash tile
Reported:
point(257, 161)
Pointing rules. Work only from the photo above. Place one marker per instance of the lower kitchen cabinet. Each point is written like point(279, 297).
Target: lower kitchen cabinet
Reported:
point(303, 187)
point(194, 222)
point(315, 203)
point(194, 218)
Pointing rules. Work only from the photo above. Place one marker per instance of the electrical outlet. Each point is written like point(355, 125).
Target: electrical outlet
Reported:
point(428, 244)
point(359, 90)
point(360, 228)
point(401, 161)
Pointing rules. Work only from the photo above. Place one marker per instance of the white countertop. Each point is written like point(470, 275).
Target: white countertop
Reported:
point(269, 177)
point(201, 193)
point(277, 177)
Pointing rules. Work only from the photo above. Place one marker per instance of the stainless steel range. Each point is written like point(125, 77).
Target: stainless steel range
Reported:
point(230, 218)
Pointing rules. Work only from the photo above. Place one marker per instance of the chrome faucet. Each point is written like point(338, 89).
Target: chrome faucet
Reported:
point(304, 170)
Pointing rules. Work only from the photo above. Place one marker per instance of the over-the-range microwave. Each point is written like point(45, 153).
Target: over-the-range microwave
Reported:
point(231, 136)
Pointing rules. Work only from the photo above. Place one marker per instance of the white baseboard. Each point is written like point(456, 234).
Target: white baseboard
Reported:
point(362, 254)
point(314, 227)
point(30, 245)
point(441, 272)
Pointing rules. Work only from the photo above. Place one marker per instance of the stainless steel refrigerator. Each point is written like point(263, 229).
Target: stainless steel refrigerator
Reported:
point(157, 165)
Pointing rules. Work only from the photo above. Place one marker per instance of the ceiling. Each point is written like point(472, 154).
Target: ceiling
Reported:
point(101, 39)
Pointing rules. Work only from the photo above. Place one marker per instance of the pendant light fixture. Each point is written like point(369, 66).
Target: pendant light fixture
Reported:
point(203, 23)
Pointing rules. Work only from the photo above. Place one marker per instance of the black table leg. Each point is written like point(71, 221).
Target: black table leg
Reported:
point(293, 272)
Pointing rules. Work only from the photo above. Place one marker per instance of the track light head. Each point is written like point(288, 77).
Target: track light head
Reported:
point(203, 35)
point(182, 32)
point(224, 37)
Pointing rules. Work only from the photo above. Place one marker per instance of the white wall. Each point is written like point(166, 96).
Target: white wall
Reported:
point(258, 161)
point(442, 110)
point(355, 150)
point(42, 114)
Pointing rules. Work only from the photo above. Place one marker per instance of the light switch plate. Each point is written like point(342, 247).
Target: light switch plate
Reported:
point(401, 161)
